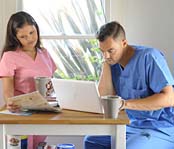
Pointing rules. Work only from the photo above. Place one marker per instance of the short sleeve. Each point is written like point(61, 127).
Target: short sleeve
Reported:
point(7, 65)
point(158, 71)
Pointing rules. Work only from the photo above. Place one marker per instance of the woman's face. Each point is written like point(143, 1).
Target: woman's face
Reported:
point(27, 35)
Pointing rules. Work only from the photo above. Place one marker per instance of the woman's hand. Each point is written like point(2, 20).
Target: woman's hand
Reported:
point(12, 107)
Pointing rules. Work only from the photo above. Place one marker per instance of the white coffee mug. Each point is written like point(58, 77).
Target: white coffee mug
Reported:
point(44, 86)
point(111, 105)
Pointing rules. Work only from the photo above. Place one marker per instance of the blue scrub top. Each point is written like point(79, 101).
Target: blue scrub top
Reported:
point(146, 73)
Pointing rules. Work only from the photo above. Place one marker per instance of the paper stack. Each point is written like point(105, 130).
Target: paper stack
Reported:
point(34, 101)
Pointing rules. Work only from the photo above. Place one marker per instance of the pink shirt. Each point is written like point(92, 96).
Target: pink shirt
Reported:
point(24, 68)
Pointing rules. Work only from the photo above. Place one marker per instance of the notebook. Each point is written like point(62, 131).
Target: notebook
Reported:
point(77, 95)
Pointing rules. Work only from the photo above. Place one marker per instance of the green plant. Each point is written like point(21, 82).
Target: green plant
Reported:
point(77, 59)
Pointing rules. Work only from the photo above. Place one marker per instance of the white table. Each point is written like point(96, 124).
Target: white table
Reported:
point(65, 123)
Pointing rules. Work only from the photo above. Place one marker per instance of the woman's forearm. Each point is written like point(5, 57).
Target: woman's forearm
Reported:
point(8, 87)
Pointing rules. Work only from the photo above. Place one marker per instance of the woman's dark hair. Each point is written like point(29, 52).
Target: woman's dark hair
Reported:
point(16, 21)
point(112, 29)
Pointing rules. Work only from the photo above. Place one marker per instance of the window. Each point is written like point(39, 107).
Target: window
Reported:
point(68, 30)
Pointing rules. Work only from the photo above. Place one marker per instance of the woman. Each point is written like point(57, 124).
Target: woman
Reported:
point(23, 59)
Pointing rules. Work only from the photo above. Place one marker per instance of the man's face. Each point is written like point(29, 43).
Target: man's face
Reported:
point(112, 49)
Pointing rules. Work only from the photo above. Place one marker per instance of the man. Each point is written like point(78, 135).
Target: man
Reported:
point(140, 75)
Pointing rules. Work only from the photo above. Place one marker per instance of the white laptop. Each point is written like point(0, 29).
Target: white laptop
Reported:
point(77, 95)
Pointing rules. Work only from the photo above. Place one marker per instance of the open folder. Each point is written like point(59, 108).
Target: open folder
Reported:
point(34, 101)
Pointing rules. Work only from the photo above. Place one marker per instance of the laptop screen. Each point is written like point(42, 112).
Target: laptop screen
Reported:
point(77, 95)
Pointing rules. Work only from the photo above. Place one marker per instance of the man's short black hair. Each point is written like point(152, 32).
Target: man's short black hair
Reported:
point(112, 29)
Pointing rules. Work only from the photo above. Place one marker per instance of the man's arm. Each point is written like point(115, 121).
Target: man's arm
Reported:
point(105, 86)
point(157, 101)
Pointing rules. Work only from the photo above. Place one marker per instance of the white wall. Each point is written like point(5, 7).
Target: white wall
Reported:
point(7, 7)
point(148, 22)
point(1, 23)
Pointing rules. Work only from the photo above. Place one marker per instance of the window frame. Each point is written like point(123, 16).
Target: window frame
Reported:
point(107, 10)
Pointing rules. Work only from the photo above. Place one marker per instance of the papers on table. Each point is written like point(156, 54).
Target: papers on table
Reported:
point(16, 113)
point(33, 101)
